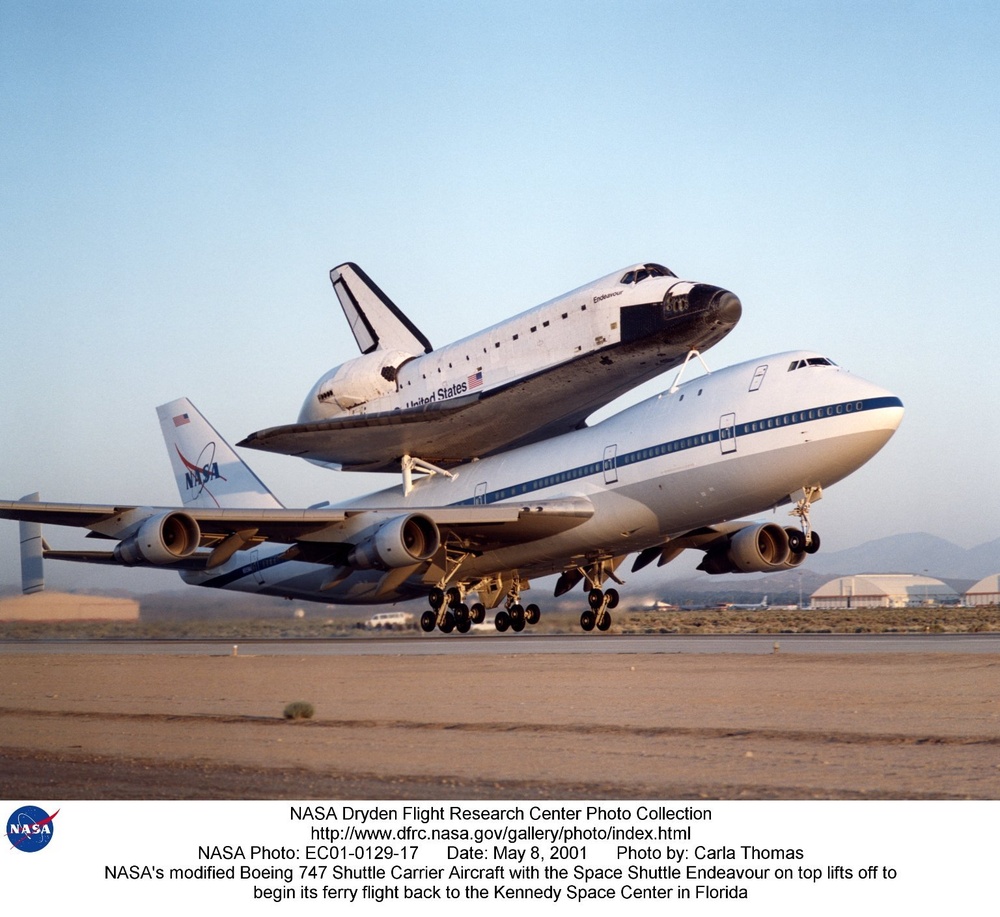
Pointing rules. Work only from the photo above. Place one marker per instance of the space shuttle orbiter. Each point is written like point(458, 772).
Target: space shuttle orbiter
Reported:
point(528, 378)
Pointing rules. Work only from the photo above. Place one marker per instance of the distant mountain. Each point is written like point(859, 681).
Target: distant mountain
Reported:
point(915, 552)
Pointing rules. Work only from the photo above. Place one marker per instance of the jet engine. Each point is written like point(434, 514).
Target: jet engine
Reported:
point(400, 542)
point(753, 549)
point(161, 539)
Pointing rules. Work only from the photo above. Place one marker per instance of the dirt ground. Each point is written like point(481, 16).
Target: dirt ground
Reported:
point(902, 726)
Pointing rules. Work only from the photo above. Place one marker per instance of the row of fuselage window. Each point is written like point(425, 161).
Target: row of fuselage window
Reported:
point(677, 445)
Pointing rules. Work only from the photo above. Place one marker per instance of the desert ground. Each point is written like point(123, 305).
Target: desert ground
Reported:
point(625, 726)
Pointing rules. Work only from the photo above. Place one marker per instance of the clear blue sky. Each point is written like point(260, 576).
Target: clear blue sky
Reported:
point(178, 178)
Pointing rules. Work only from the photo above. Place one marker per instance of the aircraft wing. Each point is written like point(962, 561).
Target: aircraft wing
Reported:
point(117, 521)
point(319, 534)
point(437, 432)
point(448, 433)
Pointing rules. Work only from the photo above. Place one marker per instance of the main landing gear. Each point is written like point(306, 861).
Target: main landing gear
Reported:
point(599, 613)
point(449, 612)
point(600, 601)
point(515, 616)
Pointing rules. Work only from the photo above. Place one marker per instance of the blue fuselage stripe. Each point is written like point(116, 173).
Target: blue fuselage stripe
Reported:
point(684, 443)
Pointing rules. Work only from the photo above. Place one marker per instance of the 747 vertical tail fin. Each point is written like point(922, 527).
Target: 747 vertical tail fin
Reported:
point(207, 470)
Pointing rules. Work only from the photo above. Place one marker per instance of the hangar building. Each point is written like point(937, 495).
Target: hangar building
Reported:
point(882, 590)
point(985, 592)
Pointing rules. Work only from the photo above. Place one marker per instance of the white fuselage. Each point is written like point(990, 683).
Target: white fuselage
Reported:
point(584, 321)
point(733, 443)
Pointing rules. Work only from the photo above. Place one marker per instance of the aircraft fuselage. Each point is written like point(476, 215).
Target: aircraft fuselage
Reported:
point(737, 442)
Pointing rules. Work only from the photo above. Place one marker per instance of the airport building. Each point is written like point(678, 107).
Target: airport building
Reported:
point(985, 592)
point(64, 606)
point(882, 590)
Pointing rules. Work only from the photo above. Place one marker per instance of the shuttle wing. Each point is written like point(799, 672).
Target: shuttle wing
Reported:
point(448, 433)
point(375, 442)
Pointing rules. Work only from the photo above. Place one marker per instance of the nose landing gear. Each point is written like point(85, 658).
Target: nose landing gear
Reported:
point(804, 500)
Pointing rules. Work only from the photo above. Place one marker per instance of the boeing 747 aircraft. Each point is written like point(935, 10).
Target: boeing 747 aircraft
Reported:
point(534, 376)
point(674, 472)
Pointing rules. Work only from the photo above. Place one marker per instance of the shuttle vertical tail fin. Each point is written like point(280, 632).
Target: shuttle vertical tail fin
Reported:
point(208, 471)
point(375, 320)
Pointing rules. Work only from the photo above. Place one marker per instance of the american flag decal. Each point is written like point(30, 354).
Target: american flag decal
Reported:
point(476, 380)
point(181, 419)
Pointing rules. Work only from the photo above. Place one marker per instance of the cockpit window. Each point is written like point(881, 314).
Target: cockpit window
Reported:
point(647, 270)
point(811, 361)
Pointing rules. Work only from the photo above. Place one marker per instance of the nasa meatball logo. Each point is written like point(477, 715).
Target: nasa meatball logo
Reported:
point(29, 828)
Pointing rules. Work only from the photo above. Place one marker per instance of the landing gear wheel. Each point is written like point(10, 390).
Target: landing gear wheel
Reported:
point(462, 614)
point(448, 624)
point(502, 621)
point(587, 620)
point(612, 596)
point(604, 621)
point(516, 613)
point(517, 624)
point(813, 545)
point(478, 612)
point(595, 597)
point(454, 597)
point(427, 621)
point(796, 542)
point(463, 625)
point(436, 598)
point(532, 614)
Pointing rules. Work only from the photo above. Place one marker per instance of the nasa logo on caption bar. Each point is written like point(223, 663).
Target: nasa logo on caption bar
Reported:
point(30, 829)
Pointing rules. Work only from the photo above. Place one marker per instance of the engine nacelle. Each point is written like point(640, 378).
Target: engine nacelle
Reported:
point(160, 540)
point(400, 542)
point(753, 549)
point(354, 383)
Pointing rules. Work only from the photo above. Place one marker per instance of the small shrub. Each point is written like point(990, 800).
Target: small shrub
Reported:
point(299, 710)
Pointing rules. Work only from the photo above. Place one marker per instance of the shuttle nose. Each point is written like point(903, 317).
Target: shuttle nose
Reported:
point(727, 306)
point(718, 304)
point(713, 303)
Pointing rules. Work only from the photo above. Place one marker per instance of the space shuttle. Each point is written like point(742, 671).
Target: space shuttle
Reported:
point(404, 405)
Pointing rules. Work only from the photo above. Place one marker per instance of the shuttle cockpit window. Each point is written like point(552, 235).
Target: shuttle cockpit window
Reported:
point(647, 270)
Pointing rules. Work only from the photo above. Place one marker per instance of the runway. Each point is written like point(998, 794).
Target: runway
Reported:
point(526, 644)
point(480, 717)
